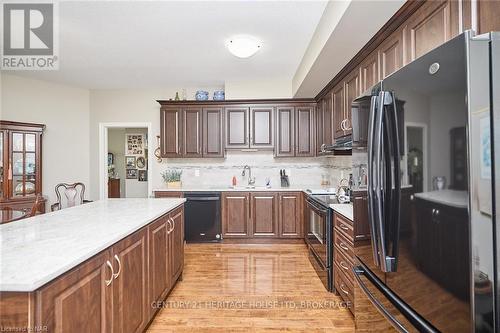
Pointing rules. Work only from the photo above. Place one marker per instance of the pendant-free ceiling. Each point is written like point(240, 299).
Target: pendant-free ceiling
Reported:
point(243, 46)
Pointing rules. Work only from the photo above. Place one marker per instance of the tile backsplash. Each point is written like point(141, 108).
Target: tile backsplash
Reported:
point(302, 171)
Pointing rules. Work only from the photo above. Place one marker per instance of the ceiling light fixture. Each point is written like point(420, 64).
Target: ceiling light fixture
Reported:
point(243, 46)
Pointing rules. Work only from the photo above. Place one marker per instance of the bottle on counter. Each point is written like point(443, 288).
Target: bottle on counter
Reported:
point(234, 181)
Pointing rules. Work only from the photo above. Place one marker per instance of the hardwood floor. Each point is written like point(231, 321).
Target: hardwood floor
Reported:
point(250, 288)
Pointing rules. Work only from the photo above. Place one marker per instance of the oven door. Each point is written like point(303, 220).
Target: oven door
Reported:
point(317, 233)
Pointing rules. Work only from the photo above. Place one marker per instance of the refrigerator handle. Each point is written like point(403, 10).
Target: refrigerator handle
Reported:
point(396, 197)
point(414, 318)
point(370, 183)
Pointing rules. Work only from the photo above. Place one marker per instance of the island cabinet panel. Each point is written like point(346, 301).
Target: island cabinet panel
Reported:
point(237, 127)
point(290, 213)
point(176, 242)
point(79, 301)
point(261, 127)
point(213, 132)
point(159, 259)
point(235, 212)
point(285, 131)
point(130, 297)
point(171, 132)
point(192, 132)
point(304, 131)
point(264, 214)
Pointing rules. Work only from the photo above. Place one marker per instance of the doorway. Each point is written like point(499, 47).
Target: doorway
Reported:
point(416, 157)
point(125, 162)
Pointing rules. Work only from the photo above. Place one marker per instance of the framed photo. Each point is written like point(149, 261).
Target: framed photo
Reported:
point(141, 163)
point(111, 158)
point(134, 144)
point(143, 175)
point(130, 162)
point(131, 173)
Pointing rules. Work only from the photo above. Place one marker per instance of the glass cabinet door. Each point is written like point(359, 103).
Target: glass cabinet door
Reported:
point(24, 164)
point(2, 175)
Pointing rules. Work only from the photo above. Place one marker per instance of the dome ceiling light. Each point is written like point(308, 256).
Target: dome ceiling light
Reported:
point(243, 46)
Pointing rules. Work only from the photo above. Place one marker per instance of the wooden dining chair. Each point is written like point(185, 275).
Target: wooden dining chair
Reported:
point(69, 195)
point(37, 207)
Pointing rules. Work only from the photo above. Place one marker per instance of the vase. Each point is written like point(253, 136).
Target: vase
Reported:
point(174, 184)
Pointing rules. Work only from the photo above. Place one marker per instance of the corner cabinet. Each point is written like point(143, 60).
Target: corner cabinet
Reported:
point(20, 164)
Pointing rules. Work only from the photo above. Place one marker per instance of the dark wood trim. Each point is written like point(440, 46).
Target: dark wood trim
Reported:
point(19, 126)
point(238, 102)
point(392, 25)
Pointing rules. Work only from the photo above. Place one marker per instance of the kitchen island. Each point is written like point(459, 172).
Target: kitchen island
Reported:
point(110, 259)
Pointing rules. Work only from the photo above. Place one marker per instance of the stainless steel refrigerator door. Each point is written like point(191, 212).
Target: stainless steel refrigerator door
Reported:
point(432, 274)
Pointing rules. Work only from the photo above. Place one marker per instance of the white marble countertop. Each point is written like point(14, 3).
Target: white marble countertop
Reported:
point(36, 250)
point(453, 198)
point(237, 189)
point(344, 209)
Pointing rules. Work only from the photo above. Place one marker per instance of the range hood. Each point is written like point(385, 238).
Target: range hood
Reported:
point(341, 144)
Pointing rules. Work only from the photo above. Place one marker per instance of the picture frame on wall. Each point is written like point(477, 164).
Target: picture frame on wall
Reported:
point(141, 163)
point(134, 144)
point(111, 158)
point(131, 173)
point(130, 162)
point(143, 175)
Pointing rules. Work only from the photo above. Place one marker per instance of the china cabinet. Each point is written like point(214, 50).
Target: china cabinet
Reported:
point(20, 164)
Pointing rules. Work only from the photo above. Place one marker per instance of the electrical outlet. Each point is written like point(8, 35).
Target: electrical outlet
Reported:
point(197, 172)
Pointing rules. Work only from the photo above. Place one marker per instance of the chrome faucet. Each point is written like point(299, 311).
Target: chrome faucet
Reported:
point(251, 181)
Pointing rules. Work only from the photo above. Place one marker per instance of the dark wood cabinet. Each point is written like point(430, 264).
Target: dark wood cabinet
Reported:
point(213, 132)
point(324, 123)
point(338, 110)
point(130, 284)
point(369, 73)
point(263, 214)
point(113, 188)
point(192, 132)
point(159, 259)
point(237, 127)
point(352, 90)
point(304, 131)
point(235, 215)
point(171, 132)
point(176, 242)
point(391, 54)
point(20, 164)
point(290, 215)
point(360, 211)
point(261, 127)
point(285, 131)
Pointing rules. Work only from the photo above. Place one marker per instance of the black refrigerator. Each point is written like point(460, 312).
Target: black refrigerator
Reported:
point(432, 129)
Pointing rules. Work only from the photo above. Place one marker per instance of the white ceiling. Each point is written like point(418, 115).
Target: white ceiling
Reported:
point(114, 45)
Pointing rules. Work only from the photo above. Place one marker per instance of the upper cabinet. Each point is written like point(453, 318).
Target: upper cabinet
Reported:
point(170, 132)
point(390, 54)
point(369, 72)
point(338, 109)
point(249, 127)
point(294, 131)
point(304, 131)
point(285, 131)
point(192, 132)
point(213, 132)
point(324, 123)
point(261, 127)
point(237, 125)
point(20, 163)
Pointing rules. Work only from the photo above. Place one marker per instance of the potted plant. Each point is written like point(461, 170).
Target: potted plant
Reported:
point(172, 177)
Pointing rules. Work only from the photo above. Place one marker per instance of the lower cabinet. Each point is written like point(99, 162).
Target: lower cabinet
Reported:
point(115, 289)
point(262, 215)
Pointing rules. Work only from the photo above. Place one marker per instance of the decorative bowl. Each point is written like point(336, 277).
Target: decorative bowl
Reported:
point(201, 95)
point(219, 95)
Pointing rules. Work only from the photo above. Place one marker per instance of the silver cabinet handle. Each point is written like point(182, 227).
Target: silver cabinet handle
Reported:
point(343, 290)
point(344, 266)
point(342, 125)
point(323, 147)
point(119, 267)
point(437, 212)
point(343, 227)
point(343, 246)
point(169, 228)
point(108, 282)
point(173, 223)
point(347, 126)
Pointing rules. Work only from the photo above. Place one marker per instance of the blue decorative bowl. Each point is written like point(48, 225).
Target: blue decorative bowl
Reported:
point(201, 95)
point(219, 95)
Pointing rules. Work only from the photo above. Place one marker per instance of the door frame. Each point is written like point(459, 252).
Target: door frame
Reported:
point(103, 153)
point(423, 126)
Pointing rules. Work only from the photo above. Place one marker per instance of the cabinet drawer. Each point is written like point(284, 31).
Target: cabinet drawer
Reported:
point(344, 225)
point(343, 245)
point(344, 264)
point(345, 288)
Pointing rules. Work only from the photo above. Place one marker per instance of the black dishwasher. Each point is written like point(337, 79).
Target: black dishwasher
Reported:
point(202, 217)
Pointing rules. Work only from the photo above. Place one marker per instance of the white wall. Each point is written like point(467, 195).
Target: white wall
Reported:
point(265, 88)
point(65, 112)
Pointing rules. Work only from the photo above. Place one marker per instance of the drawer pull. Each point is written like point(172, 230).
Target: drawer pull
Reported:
point(344, 266)
point(342, 288)
point(343, 246)
point(108, 282)
point(119, 267)
point(343, 227)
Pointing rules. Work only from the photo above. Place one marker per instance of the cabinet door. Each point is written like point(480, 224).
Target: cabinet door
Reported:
point(192, 133)
point(290, 215)
point(352, 90)
point(369, 72)
point(24, 164)
point(177, 244)
point(262, 129)
point(78, 301)
point(391, 54)
point(319, 126)
point(159, 253)
point(235, 215)
point(264, 214)
point(131, 307)
point(285, 131)
point(338, 110)
point(171, 132)
point(433, 24)
point(360, 210)
point(328, 117)
point(488, 16)
point(237, 128)
point(304, 131)
point(213, 132)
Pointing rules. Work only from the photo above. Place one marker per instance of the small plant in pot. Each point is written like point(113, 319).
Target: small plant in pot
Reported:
point(172, 177)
